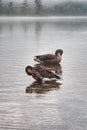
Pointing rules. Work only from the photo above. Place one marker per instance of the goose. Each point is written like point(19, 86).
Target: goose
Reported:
point(39, 72)
point(50, 58)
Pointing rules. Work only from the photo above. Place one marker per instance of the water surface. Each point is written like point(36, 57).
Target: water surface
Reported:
point(58, 109)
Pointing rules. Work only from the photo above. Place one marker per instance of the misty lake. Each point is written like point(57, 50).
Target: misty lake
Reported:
point(62, 108)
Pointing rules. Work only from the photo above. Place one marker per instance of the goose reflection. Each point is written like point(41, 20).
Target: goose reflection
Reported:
point(42, 88)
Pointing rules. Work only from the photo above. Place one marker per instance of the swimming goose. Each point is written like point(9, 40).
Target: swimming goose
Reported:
point(50, 58)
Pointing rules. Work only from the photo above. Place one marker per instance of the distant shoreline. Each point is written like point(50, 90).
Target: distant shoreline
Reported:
point(40, 17)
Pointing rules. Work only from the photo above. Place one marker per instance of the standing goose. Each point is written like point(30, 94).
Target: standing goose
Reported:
point(50, 58)
point(39, 72)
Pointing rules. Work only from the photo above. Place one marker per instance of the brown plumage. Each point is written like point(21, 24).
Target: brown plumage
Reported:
point(39, 72)
point(50, 58)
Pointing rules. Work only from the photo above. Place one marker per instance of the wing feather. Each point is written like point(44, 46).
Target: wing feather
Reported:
point(45, 57)
point(44, 72)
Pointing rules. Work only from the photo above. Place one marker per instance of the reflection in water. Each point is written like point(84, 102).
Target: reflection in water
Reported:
point(25, 27)
point(0, 29)
point(35, 87)
point(11, 26)
point(38, 26)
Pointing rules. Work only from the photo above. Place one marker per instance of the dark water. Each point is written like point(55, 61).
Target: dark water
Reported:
point(58, 109)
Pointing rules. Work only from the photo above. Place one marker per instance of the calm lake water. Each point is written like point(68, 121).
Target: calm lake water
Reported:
point(63, 108)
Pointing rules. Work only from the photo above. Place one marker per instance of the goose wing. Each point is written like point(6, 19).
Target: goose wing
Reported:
point(45, 57)
point(45, 73)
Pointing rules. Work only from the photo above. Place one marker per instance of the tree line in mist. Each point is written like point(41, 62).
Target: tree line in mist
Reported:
point(25, 8)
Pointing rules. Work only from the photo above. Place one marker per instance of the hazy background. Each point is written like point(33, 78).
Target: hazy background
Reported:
point(43, 7)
